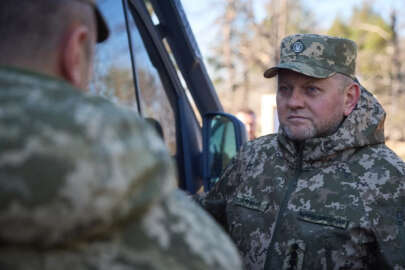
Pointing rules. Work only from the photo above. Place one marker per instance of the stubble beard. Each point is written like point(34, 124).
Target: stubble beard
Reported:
point(301, 135)
point(326, 128)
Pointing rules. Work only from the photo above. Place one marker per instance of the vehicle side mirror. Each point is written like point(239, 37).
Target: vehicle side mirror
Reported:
point(223, 135)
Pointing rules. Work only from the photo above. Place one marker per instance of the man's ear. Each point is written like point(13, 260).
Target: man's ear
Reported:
point(73, 57)
point(351, 97)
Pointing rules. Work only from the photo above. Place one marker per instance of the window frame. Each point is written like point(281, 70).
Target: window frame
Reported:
point(188, 131)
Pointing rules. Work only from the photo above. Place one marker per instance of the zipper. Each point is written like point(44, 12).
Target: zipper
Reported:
point(291, 185)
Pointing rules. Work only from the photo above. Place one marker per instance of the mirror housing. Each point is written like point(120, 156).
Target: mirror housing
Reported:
point(223, 135)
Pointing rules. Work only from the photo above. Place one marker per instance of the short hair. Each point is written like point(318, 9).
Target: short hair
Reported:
point(344, 79)
point(31, 29)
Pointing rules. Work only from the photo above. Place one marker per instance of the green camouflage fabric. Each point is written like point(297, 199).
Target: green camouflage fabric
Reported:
point(86, 184)
point(317, 56)
point(336, 202)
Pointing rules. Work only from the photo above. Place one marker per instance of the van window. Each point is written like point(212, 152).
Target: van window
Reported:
point(112, 76)
point(153, 97)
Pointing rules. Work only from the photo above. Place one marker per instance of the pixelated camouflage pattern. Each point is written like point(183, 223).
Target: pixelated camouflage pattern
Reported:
point(316, 56)
point(174, 234)
point(336, 202)
point(85, 184)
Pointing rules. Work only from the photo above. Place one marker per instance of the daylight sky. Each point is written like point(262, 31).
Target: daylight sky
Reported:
point(202, 13)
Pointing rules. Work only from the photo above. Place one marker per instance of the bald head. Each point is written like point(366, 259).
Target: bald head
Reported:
point(35, 33)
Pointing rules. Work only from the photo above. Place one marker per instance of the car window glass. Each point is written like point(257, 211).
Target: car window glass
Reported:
point(154, 101)
point(112, 63)
point(113, 75)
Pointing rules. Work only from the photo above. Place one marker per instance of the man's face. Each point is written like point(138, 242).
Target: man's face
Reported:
point(309, 107)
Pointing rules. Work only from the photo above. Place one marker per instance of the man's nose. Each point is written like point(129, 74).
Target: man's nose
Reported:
point(296, 99)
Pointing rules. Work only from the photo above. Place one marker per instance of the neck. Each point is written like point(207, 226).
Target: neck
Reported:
point(43, 67)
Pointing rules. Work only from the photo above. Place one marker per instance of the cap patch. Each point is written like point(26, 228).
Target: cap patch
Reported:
point(298, 47)
point(316, 56)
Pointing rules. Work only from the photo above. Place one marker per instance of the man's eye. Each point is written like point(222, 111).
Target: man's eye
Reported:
point(283, 89)
point(312, 90)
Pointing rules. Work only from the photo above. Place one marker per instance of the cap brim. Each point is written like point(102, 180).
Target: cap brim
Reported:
point(308, 70)
point(102, 29)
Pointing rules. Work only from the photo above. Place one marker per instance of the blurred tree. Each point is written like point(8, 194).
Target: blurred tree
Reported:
point(247, 46)
point(379, 60)
point(119, 84)
point(373, 36)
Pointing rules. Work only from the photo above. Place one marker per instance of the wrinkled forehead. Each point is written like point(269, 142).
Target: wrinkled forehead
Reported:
point(292, 78)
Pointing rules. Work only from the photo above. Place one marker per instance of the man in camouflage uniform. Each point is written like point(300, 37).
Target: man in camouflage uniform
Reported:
point(84, 184)
point(325, 192)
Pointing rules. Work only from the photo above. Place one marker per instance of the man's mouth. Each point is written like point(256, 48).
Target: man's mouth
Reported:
point(297, 117)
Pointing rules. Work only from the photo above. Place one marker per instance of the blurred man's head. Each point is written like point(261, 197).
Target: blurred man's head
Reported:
point(248, 117)
point(316, 90)
point(54, 37)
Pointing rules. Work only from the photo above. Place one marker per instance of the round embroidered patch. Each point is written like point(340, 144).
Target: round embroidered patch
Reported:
point(298, 46)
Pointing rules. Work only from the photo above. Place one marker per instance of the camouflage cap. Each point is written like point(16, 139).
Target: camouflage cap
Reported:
point(102, 27)
point(317, 56)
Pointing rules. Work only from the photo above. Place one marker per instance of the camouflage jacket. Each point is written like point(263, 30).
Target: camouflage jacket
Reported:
point(336, 202)
point(85, 184)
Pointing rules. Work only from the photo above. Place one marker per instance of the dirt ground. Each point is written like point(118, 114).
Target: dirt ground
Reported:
point(398, 147)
